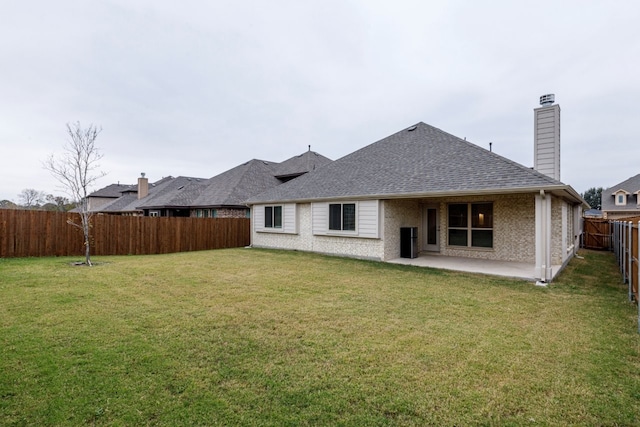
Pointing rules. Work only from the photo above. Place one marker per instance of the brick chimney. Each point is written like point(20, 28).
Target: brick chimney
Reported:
point(546, 134)
point(143, 186)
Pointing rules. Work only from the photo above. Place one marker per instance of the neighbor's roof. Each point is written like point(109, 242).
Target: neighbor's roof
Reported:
point(180, 191)
point(129, 201)
point(418, 161)
point(233, 187)
point(230, 188)
point(631, 186)
point(111, 191)
point(300, 164)
point(593, 213)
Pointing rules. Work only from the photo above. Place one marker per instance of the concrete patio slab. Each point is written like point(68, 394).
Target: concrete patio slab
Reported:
point(519, 270)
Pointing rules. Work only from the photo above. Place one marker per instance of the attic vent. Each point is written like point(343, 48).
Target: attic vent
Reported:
point(181, 187)
point(412, 128)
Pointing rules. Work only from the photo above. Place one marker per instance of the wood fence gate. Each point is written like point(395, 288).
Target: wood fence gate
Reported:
point(596, 234)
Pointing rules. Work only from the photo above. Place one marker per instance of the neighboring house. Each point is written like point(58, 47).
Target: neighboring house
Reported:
point(622, 200)
point(174, 198)
point(222, 196)
point(465, 201)
point(592, 213)
point(225, 195)
point(106, 195)
point(131, 196)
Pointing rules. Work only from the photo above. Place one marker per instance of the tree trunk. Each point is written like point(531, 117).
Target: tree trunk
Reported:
point(86, 229)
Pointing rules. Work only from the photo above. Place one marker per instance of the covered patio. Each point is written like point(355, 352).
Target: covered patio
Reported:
point(518, 270)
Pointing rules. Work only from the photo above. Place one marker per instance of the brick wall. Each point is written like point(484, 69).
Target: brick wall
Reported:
point(513, 226)
point(396, 214)
point(513, 230)
point(222, 212)
point(305, 240)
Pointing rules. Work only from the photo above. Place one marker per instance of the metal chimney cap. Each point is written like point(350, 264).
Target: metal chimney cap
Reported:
point(546, 100)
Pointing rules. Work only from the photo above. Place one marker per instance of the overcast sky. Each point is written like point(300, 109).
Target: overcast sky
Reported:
point(197, 87)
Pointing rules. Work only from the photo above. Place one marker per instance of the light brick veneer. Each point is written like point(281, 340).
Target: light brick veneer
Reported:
point(513, 230)
point(305, 240)
point(513, 226)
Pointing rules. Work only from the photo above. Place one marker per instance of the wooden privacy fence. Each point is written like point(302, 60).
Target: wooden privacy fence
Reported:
point(40, 233)
point(596, 234)
point(626, 247)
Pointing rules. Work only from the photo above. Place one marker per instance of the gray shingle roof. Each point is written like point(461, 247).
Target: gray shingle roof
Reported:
point(126, 203)
point(630, 185)
point(300, 164)
point(233, 187)
point(419, 160)
point(230, 189)
point(180, 191)
point(129, 201)
point(112, 190)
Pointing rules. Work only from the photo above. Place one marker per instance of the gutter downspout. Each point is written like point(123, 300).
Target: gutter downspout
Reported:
point(543, 270)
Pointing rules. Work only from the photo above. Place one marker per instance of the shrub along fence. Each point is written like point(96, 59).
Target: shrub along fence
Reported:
point(25, 233)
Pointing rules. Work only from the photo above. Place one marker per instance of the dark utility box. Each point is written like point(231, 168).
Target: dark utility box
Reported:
point(409, 242)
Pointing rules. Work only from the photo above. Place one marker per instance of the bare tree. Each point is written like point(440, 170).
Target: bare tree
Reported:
point(76, 169)
point(30, 198)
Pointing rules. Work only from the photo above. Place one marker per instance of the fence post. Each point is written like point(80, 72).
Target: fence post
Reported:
point(621, 254)
point(616, 241)
point(611, 227)
point(620, 245)
point(630, 260)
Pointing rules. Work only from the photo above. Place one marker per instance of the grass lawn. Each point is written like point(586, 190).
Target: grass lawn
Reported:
point(257, 337)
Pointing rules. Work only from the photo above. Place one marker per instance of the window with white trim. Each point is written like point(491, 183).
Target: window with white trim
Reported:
point(621, 199)
point(470, 225)
point(154, 213)
point(342, 216)
point(273, 217)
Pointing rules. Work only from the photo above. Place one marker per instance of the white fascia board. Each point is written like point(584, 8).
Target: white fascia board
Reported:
point(562, 190)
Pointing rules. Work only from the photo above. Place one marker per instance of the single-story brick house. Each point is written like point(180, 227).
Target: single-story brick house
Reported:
point(464, 200)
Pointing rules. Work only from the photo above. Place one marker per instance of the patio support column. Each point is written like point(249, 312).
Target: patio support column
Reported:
point(543, 237)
